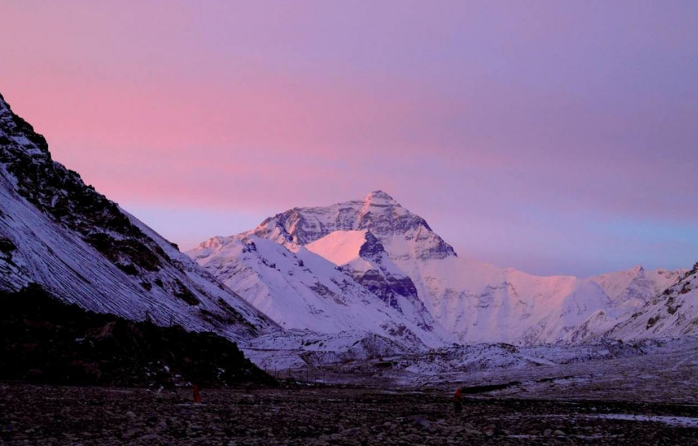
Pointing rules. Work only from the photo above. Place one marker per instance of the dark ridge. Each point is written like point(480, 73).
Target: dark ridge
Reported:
point(488, 388)
point(43, 340)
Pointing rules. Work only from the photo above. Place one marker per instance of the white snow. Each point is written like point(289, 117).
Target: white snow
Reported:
point(672, 421)
point(339, 247)
point(303, 290)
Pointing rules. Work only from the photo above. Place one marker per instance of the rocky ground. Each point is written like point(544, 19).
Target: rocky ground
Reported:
point(48, 415)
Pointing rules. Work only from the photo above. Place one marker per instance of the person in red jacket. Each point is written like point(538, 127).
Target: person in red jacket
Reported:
point(458, 400)
point(197, 395)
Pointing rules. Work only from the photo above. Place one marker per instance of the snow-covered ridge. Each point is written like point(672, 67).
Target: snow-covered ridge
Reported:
point(633, 287)
point(302, 290)
point(673, 313)
point(80, 246)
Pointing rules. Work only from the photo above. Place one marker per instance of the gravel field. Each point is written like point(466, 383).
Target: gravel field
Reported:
point(50, 415)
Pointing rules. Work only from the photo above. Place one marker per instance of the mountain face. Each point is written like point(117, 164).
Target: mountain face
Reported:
point(348, 279)
point(673, 313)
point(397, 258)
point(79, 246)
point(632, 288)
point(302, 290)
point(377, 212)
point(363, 257)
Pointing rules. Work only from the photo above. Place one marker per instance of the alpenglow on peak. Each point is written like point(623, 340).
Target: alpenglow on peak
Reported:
point(378, 213)
point(379, 197)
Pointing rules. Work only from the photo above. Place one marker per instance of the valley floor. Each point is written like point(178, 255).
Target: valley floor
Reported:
point(49, 415)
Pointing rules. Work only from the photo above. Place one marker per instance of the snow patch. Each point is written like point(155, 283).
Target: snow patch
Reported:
point(339, 247)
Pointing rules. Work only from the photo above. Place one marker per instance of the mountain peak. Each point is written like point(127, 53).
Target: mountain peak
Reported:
point(19, 135)
point(378, 212)
point(637, 269)
point(379, 197)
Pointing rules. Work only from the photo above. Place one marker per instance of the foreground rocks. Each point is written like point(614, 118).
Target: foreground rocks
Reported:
point(45, 415)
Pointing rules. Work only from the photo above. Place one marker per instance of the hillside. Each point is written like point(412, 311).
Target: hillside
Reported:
point(62, 234)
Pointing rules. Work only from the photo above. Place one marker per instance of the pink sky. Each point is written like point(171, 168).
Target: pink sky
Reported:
point(556, 137)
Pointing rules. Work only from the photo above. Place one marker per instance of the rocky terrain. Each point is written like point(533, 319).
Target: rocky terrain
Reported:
point(42, 415)
point(607, 394)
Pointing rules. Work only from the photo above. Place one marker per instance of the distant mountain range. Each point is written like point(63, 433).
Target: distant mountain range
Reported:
point(328, 268)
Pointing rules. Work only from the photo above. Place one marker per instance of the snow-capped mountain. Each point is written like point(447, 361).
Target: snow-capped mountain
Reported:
point(338, 258)
point(397, 257)
point(403, 234)
point(629, 290)
point(82, 248)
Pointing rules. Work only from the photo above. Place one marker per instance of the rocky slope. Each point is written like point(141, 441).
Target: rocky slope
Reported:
point(81, 247)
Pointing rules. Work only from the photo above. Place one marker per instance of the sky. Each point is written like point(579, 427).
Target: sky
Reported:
point(555, 137)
